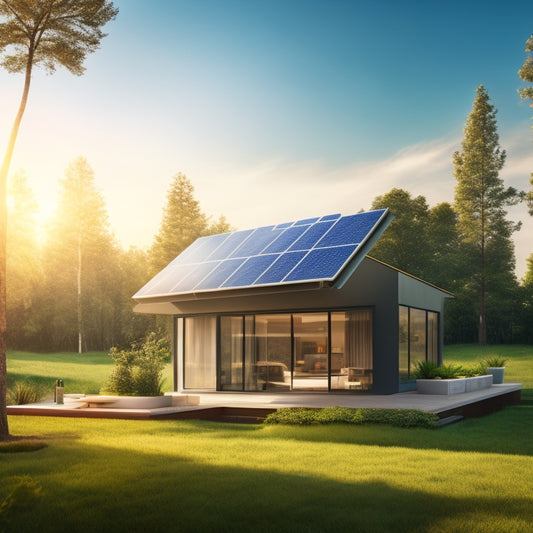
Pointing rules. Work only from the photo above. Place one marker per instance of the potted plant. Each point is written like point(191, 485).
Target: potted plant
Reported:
point(495, 366)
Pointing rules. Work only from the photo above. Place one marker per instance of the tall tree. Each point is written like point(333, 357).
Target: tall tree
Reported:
point(527, 304)
point(24, 273)
point(49, 33)
point(442, 239)
point(526, 73)
point(80, 257)
point(480, 202)
point(403, 244)
point(183, 222)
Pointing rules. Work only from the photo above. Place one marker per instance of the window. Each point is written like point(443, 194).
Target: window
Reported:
point(280, 351)
point(351, 350)
point(311, 359)
point(419, 339)
point(231, 352)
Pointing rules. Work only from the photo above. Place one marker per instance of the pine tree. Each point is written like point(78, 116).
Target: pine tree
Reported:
point(183, 222)
point(480, 202)
point(526, 73)
point(24, 273)
point(80, 262)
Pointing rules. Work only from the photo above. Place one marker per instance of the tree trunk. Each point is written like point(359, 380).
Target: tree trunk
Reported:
point(482, 328)
point(482, 331)
point(80, 317)
point(4, 429)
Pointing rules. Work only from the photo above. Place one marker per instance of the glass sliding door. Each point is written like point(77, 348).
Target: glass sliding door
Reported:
point(351, 350)
point(433, 337)
point(270, 369)
point(314, 351)
point(251, 378)
point(417, 340)
point(311, 349)
point(231, 369)
point(200, 360)
point(404, 344)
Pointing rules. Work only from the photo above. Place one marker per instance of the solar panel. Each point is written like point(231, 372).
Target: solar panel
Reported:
point(308, 250)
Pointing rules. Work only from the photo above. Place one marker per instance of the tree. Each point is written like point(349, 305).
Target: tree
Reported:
point(24, 273)
point(183, 222)
point(81, 262)
point(403, 244)
point(221, 225)
point(526, 73)
point(49, 33)
point(480, 202)
point(442, 239)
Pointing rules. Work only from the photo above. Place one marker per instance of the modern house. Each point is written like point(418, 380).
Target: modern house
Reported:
point(297, 306)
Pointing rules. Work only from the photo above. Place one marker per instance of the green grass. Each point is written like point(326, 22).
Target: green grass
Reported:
point(86, 373)
point(114, 476)
point(518, 369)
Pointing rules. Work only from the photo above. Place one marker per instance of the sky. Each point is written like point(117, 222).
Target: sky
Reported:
point(277, 109)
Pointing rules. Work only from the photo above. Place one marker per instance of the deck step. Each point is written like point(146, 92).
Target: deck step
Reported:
point(449, 420)
point(235, 419)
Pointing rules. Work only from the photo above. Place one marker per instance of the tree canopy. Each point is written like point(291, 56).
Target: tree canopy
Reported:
point(480, 202)
point(526, 74)
point(183, 222)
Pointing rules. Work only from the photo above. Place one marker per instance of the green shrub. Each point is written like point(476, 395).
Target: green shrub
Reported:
point(474, 370)
point(300, 416)
point(139, 371)
point(24, 393)
point(449, 371)
point(494, 361)
point(425, 370)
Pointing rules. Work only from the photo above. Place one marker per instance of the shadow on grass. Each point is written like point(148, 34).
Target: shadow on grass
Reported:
point(509, 431)
point(89, 488)
point(22, 444)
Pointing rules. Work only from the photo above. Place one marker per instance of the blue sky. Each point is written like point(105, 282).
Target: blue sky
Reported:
point(276, 109)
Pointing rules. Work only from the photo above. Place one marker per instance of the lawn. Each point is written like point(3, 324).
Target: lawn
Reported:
point(85, 373)
point(114, 476)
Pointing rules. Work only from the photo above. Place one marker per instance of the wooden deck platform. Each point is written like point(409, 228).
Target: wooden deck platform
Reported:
point(253, 407)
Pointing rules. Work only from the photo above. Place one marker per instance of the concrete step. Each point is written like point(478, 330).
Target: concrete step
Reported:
point(183, 399)
point(449, 420)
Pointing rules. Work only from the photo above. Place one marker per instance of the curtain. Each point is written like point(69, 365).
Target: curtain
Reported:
point(358, 338)
point(200, 353)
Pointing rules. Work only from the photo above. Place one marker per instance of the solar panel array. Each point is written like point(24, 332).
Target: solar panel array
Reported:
point(313, 249)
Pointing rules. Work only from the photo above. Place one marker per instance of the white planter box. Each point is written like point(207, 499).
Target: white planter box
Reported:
point(440, 386)
point(478, 383)
point(128, 402)
point(453, 386)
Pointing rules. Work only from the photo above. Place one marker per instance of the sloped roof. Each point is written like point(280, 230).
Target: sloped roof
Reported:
point(323, 249)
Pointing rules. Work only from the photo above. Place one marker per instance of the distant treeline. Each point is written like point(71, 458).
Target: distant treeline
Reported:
point(71, 285)
point(70, 288)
